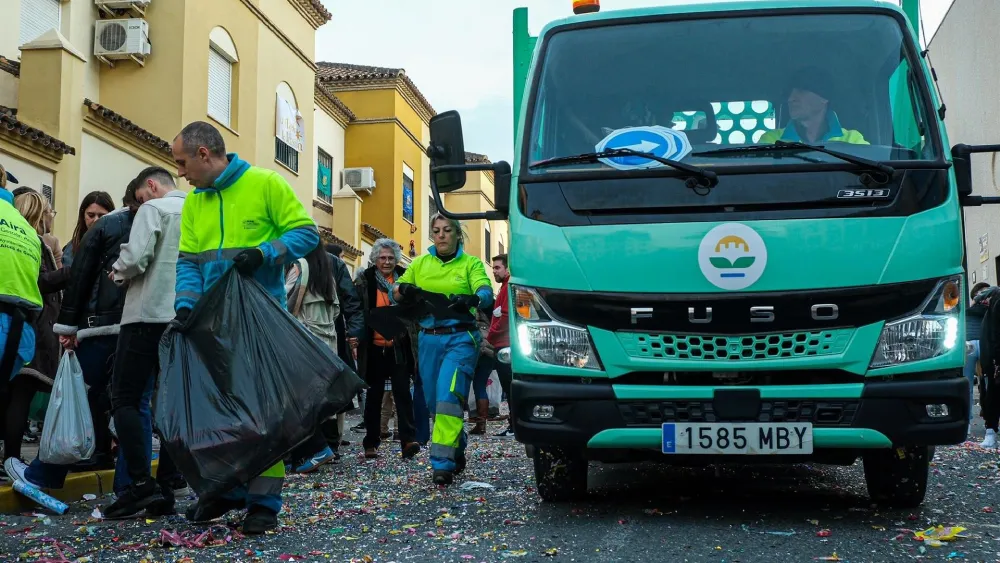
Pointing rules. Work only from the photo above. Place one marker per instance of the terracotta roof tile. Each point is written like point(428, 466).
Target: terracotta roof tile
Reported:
point(476, 158)
point(344, 72)
point(321, 9)
point(127, 126)
point(373, 231)
point(10, 67)
point(328, 237)
point(13, 126)
point(337, 102)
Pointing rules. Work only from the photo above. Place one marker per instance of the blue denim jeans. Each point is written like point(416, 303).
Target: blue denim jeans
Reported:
point(970, 372)
point(481, 376)
point(421, 416)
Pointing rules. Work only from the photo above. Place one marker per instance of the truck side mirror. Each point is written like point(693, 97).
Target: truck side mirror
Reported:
point(447, 149)
point(961, 156)
point(501, 187)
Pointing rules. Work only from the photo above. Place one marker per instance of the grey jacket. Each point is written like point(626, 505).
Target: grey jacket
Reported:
point(148, 262)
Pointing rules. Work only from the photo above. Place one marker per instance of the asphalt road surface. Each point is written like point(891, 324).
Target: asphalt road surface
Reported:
point(388, 510)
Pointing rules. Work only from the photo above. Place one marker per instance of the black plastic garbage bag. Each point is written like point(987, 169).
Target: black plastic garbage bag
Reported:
point(241, 385)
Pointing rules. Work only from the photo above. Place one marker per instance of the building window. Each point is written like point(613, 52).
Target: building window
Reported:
point(222, 61)
point(432, 210)
point(324, 176)
point(407, 193)
point(286, 155)
point(486, 238)
point(289, 128)
point(37, 17)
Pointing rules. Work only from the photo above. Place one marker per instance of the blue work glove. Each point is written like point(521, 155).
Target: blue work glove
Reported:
point(249, 260)
point(462, 303)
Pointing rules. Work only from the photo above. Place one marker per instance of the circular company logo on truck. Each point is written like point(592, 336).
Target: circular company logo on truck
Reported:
point(732, 256)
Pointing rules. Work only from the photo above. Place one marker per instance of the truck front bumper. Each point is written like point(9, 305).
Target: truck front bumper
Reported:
point(879, 413)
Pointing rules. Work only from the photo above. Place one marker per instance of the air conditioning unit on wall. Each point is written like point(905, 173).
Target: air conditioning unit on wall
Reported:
point(122, 39)
point(360, 178)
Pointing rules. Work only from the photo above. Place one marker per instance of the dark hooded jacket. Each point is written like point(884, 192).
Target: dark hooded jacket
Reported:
point(92, 303)
point(988, 344)
point(51, 282)
point(367, 288)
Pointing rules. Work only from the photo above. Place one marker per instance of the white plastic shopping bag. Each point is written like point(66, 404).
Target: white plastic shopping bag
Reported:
point(493, 390)
point(68, 435)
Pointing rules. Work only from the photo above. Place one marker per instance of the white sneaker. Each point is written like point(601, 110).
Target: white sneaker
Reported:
point(990, 441)
point(15, 469)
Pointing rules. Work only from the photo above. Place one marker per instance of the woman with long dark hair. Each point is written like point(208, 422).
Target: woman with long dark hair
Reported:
point(312, 299)
point(94, 206)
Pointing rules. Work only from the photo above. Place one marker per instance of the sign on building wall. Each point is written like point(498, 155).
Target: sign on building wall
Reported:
point(290, 127)
point(407, 193)
point(984, 248)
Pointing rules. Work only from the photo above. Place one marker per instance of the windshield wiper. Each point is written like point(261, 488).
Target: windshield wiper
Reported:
point(795, 146)
point(704, 178)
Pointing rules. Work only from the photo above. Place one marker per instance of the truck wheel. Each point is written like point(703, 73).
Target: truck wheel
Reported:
point(560, 475)
point(898, 477)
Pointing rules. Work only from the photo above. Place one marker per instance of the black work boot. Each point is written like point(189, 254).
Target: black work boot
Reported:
point(443, 477)
point(133, 500)
point(259, 520)
point(164, 507)
point(460, 462)
point(206, 511)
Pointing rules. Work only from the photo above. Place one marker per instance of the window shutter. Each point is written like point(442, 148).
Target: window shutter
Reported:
point(37, 17)
point(220, 87)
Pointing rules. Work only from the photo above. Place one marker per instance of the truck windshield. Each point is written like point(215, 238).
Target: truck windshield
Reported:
point(843, 81)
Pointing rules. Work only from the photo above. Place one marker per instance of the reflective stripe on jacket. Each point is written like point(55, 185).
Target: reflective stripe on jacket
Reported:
point(247, 207)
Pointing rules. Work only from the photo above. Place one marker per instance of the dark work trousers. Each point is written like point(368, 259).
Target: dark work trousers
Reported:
point(505, 375)
point(136, 366)
point(990, 402)
point(387, 363)
point(17, 400)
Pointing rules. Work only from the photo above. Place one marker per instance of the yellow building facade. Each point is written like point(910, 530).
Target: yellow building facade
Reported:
point(90, 96)
point(388, 136)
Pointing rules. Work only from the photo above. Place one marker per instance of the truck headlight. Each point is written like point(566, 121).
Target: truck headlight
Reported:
point(544, 339)
point(931, 332)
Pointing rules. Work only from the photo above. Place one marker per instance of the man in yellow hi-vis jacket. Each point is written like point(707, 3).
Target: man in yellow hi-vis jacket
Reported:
point(244, 217)
point(811, 119)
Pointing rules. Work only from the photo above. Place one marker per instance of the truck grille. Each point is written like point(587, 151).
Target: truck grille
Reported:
point(734, 348)
point(820, 413)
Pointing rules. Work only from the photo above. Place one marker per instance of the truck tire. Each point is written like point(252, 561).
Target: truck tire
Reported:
point(897, 478)
point(560, 475)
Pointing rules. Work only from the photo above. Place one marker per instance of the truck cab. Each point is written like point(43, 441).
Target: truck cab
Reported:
point(736, 236)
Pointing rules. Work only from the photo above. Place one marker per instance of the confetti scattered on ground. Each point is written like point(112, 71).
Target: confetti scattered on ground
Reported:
point(387, 510)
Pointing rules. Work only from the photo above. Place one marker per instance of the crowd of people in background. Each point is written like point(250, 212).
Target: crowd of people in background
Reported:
point(133, 272)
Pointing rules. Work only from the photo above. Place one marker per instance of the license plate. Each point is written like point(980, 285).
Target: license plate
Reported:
point(736, 438)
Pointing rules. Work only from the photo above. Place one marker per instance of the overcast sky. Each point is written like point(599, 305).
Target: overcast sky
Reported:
point(458, 52)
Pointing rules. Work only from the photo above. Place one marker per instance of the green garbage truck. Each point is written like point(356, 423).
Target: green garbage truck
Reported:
point(736, 237)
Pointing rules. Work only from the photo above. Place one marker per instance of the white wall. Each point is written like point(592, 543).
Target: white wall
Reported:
point(329, 136)
point(964, 55)
point(26, 173)
point(105, 168)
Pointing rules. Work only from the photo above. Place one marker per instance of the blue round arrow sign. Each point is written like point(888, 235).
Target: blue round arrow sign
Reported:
point(656, 141)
